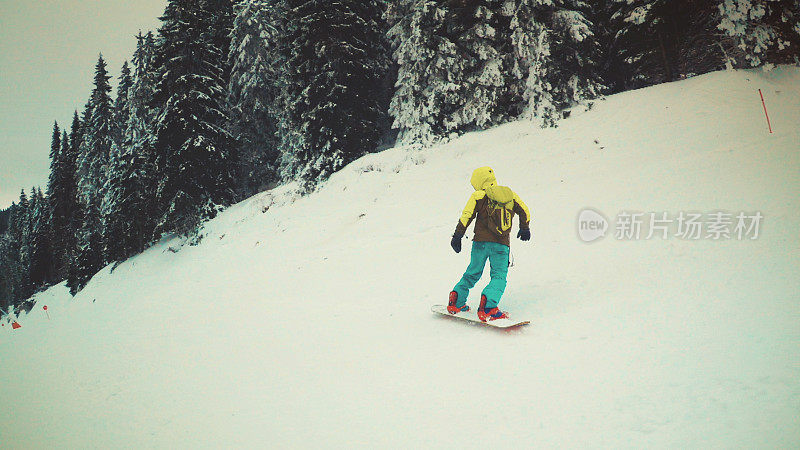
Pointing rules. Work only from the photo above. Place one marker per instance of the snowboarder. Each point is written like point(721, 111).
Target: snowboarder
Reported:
point(495, 207)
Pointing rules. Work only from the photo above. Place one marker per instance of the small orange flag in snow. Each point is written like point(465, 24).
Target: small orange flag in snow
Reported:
point(15, 325)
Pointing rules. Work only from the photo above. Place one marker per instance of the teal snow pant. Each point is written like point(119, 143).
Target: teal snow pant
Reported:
point(497, 254)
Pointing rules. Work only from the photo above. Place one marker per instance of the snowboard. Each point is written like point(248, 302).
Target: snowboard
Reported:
point(472, 316)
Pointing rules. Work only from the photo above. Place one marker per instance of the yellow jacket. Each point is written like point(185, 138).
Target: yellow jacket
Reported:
point(494, 207)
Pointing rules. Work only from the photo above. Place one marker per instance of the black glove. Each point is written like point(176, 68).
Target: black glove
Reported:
point(456, 243)
point(524, 234)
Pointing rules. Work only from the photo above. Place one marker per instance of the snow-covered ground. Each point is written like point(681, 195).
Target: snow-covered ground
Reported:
point(306, 323)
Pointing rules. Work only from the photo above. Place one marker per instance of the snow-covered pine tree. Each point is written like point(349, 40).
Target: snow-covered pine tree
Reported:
point(89, 258)
point(395, 11)
point(4, 216)
point(256, 57)
point(55, 151)
point(531, 63)
point(220, 21)
point(334, 97)
point(125, 225)
point(144, 79)
point(698, 45)
point(130, 195)
point(97, 134)
point(121, 102)
point(23, 225)
point(72, 202)
point(97, 139)
point(556, 57)
point(64, 207)
point(21, 237)
point(657, 41)
point(576, 54)
point(9, 276)
point(426, 55)
point(764, 31)
point(140, 130)
point(56, 188)
point(605, 33)
point(14, 275)
point(479, 29)
point(41, 261)
point(194, 158)
point(79, 210)
point(123, 201)
point(466, 64)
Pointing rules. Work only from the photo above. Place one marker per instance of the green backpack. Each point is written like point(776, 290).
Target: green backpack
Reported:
point(500, 208)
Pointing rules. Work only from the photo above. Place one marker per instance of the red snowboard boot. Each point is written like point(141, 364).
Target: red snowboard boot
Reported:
point(492, 314)
point(452, 308)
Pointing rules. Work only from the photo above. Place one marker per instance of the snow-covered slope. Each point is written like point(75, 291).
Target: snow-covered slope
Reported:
point(305, 322)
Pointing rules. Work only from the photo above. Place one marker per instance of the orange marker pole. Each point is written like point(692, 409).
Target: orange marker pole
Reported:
point(765, 110)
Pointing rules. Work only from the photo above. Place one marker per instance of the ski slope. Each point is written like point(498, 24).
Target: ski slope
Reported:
point(305, 322)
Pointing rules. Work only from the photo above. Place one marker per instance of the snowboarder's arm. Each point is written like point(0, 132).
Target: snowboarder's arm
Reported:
point(524, 213)
point(469, 213)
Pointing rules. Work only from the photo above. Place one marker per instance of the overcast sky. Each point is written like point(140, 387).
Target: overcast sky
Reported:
point(48, 50)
